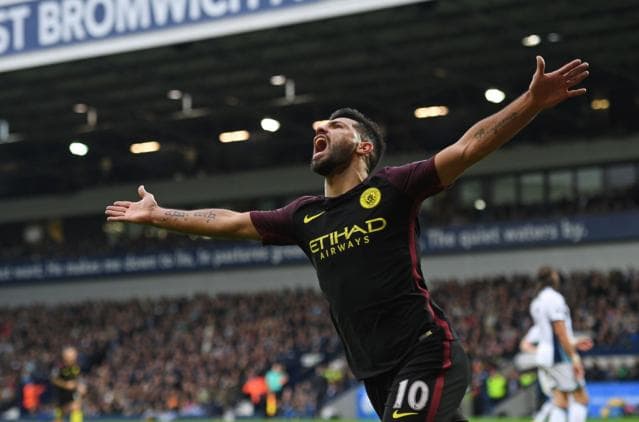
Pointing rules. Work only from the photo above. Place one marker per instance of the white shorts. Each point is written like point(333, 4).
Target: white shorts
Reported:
point(562, 377)
point(545, 382)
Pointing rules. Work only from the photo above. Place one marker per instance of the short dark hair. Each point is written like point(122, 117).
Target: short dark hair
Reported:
point(368, 130)
point(545, 276)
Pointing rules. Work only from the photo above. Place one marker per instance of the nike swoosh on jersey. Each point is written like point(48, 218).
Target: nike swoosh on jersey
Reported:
point(309, 218)
point(397, 415)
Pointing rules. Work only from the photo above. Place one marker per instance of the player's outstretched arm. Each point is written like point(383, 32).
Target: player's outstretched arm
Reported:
point(546, 90)
point(207, 222)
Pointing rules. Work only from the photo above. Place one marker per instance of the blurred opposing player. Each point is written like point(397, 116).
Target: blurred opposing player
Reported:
point(556, 354)
point(528, 360)
point(68, 389)
point(528, 346)
point(362, 238)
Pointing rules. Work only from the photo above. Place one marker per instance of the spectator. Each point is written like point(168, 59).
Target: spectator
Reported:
point(255, 387)
point(196, 354)
point(276, 379)
point(496, 385)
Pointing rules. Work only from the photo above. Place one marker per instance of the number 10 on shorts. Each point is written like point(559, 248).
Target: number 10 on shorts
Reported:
point(417, 396)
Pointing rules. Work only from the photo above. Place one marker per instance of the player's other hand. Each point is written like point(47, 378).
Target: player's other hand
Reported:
point(71, 385)
point(82, 389)
point(549, 89)
point(133, 212)
point(584, 344)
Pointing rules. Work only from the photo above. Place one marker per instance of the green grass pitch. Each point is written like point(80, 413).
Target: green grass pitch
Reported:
point(626, 419)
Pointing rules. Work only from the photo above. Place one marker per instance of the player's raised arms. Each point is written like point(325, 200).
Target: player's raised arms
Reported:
point(546, 90)
point(206, 222)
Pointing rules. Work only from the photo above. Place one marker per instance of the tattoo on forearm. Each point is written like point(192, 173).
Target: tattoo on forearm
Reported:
point(481, 133)
point(184, 215)
point(208, 215)
point(504, 122)
point(173, 215)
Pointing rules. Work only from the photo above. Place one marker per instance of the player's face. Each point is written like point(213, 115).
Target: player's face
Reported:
point(69, 356)
point(334, 144)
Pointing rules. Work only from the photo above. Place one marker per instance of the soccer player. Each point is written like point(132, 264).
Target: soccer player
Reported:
point(361, 237)
point(556, 354)
point(528, 347)
point(68, 390)
point(528, 360)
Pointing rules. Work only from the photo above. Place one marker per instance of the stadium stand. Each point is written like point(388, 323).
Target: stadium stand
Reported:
point(208, 354)
point(190, 356)
point(193, 356)
point(60, 238)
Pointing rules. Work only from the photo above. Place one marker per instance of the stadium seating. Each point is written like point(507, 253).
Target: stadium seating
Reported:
point(64, 238)
point(191, 356)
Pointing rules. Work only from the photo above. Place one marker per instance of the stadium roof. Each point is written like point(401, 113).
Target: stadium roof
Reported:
point(385, 63)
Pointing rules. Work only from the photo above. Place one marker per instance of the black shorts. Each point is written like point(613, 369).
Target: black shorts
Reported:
point(64, 397)
point(427, 386)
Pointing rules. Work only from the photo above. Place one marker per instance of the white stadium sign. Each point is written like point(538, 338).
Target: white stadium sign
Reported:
point(38, 32)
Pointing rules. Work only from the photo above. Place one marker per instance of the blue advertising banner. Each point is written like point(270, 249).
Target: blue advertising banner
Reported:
point(363, 407)
point(213, 258)
point(36, 32)
point(531, 233)
point(220, 255)
point(607, 400)
point(612, 399)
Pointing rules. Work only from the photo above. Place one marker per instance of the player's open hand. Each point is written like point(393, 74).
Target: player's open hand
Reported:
point(133, 212)
point(584, 344)
point(549, 89)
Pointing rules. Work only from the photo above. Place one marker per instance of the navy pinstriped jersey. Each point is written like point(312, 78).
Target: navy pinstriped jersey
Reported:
point(364, 247)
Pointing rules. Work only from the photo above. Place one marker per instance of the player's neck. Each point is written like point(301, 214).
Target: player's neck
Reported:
point(340, 183)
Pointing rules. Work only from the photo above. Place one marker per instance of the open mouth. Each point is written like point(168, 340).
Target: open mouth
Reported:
point(320, 143)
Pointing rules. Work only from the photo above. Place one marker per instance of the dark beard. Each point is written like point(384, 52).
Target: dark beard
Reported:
point(334, 162)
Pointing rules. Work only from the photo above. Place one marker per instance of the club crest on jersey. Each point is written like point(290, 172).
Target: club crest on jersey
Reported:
point(370, 198)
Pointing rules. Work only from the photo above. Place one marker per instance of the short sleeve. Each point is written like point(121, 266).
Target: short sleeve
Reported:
point(276, 227)
point(556, 308)
point(418, 179)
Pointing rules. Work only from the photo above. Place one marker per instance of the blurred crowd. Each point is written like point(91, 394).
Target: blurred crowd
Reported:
point(491, 315)
point(277, 352)
point(603, 305)
point(186, 356)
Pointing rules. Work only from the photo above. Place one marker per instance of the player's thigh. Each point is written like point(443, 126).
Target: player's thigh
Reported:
point(377, 391)
point(456, 381)
point(581, 395)
point(423, 391)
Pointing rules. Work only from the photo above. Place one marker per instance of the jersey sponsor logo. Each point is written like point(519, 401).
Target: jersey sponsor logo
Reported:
point(349, 237)
point(370, 198)
point(397, 414)
point(309, 218)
